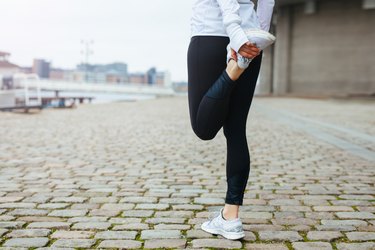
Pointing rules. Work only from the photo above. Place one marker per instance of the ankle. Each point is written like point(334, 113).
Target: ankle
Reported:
point(234, 72)
point(230, 214)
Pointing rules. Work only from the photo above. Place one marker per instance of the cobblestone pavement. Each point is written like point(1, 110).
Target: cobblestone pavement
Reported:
point(133, 175)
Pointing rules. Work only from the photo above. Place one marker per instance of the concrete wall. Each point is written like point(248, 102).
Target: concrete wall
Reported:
point(333, 50)
point(329, 52)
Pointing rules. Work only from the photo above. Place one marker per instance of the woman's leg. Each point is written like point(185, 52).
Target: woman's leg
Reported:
point(238, 157)
point(209, 84)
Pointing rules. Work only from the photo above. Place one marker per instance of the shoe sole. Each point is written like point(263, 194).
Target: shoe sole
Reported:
point(229, 236)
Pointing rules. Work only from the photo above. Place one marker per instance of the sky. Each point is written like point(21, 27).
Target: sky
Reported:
point(142, 34)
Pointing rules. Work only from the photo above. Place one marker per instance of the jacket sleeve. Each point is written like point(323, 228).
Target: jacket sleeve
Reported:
point(264, 13)
point(232, 21)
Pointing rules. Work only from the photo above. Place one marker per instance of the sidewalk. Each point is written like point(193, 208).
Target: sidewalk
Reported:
point(133, 175)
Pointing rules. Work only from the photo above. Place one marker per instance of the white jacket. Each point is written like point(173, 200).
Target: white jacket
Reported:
point(230, 18)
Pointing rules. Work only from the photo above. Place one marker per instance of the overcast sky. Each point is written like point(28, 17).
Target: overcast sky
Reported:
point(141, 33)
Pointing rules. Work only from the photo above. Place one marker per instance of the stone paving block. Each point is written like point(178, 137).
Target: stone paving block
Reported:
point(209, 201)
point(312, 246)
point(357, 197)
point(6, 199)
point(130, 235)
point(216, 243)
point(120, 220)
point(288, 215)
point(296, 208)
point(15, 248)
point(161, 234)
point(19, 233)
point(120, 244)
point(356, 246)
point(182, 201)
point(187, 207)
point(56, 225)
point(20, 211)
point(296, 221)
point(355, 215)
point(320, 215)
point(7, 218)
point(104, 212)
point(69, 199)
point(74, 234)
point(165, 220)
point(68, 213)
point(53, 205)
point(280, 236)
point(361, 236)
point(300, 228)
point(138, 213)
point(355, 223)
point(91, 225)
point(343, 228)
point(76, 243)
point(132, 226)
point(138, 199)
point(40, 219)
point(88, 219)
point(260, 246)
point(324, 235)
point(333, 208)
point(26, 242)
point(256, 215)
point(11, 224)
point(172, 226)
point(152, 206)
point(284, 202)
point(165, 243)
point(116, 206)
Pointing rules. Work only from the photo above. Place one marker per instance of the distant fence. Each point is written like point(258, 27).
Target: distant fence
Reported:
point(101, 87)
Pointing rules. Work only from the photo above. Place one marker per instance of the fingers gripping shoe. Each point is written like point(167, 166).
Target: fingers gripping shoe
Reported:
point(230, 229)
point(260, 38)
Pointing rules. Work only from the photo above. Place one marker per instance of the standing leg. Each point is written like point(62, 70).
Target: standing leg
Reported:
point(238, 157)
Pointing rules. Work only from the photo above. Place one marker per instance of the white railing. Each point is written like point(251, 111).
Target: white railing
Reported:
point(24, 92)
point(105, 87)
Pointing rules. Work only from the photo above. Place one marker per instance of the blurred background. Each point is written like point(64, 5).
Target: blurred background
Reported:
point(83, 51)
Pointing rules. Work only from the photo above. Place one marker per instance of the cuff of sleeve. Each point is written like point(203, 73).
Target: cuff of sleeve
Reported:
point(237, 36)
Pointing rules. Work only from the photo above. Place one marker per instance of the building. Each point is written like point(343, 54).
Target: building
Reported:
point(138, 78)
point(323, 47)
point(101, 73)
point(57, 74)
point(41, 68)
point(164, 79)
point(152, 77)
point(7, 68)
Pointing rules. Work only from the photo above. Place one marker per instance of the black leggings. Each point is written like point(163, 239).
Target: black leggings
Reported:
point(216, 101)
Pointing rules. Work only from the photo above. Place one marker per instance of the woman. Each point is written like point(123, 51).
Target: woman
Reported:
point(220, 91)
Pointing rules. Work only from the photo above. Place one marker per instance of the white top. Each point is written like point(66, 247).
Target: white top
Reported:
point(229, 18)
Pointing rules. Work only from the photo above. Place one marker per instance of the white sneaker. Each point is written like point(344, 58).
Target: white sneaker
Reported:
point(260, 38)
point(230, 229)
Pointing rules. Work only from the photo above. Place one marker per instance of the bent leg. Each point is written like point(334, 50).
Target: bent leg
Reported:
point(209, 86)
point(238, 157)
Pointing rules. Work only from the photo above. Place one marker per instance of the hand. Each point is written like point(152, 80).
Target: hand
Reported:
point(248, 50)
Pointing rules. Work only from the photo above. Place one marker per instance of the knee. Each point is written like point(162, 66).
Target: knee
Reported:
point(203, 135)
